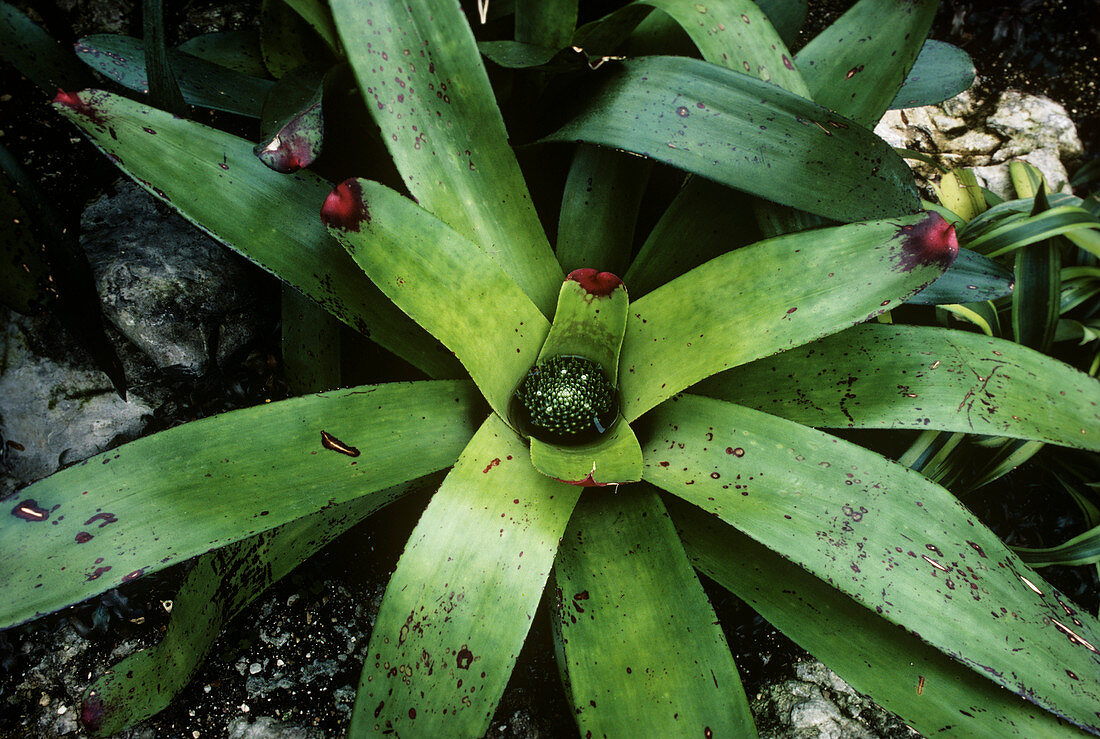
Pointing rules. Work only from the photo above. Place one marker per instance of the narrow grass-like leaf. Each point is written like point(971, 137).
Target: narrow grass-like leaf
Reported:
point(914, 377)
point(704, 221)
point(202, 83)
point(1015, 233)
point(1036, 302)
point(940, 72)
point(215, 181)
point(857, 64)
point(896, 543)
point(983, 315)
point(644, 654)
point(931, 692)
point(959, 191)
point(185, 491)
point(28, 48)
point(218, 585)
point(971, 278)
point(714, 318)
point(236, 50)
point(443, 281)
point(600, 209)
point(459, 606)
point(744, 133)
point(1083, 549)
point(421, 75)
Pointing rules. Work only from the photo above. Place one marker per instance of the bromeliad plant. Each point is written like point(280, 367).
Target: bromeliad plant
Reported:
point(620, 449)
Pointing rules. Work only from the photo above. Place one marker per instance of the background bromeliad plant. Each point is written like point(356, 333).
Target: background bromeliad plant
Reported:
point(796, 227)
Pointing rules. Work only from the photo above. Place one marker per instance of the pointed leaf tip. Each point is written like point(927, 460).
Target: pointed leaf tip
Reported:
point(92, 712)
point(66, 98)
point(588, 482)
point(344, 207)
point(927, 243)
point(600, 284)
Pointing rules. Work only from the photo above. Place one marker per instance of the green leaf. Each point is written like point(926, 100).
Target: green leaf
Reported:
point(896, 543)
point(1083, 549)
point(914, 377)
point(214, 180)
point(931, 692)
point(959, 191)
point(1037, 301)
point(940, 72)
point(289, 40)
point(786, 16)
point(857, 65)
point(769, 297)
point(589, 322)
point(613, 459)
point(547, 23)
point(1014, 233)
point(122, 59)
point(443, 281)
point(1027, 181)
point(32, 51)
point(459, 606)
point(422, 78)
point(164, 91)
point(196, 487)
point(746, 134)
point(970, 278)
point(317, 15)
point(311, 344)
point(643, 651)
point(704, 221)
point(292, 121)
point(599, 209)
point(218, 586)
point(982, 314)
point(514, 55)
point(236, 50)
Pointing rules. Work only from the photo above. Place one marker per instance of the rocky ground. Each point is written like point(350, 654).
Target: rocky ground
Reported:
point(193, 326)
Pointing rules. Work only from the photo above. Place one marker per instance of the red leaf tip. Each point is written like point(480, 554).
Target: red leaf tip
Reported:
point(70, 99)
point(92, 712)
point(929, 242)
point(600, 284)
point(344, 207)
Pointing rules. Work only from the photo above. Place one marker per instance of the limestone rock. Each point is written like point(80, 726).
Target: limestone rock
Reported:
point(186, 301)
point(55, 411)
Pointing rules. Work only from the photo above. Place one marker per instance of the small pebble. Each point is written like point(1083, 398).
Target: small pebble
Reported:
point(254, 668)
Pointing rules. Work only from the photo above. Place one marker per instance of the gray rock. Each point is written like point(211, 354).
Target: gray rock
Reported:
point(1032, 122)
point(55, 411)
point(815, 703)
point(266, 727)
point(186, 301)
point(1028, 127)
